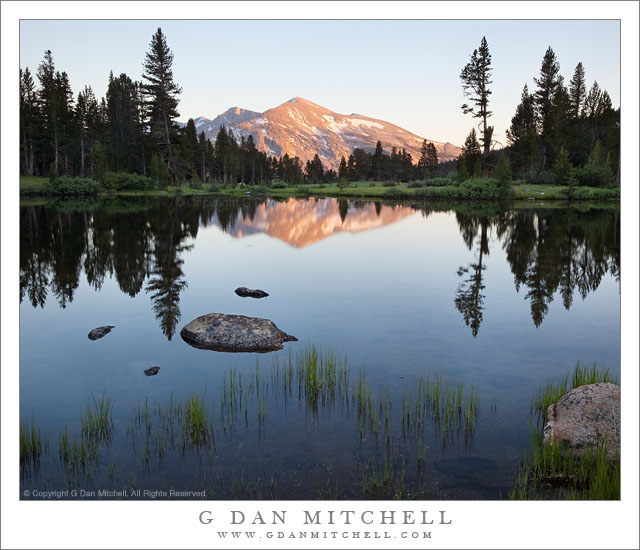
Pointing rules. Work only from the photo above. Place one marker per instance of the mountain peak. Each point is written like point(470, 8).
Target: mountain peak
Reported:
point(302, 128)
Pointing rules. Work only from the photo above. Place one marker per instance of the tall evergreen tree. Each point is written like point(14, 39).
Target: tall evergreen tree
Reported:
point(47, 97)
point(432, 160)
point(376, 162)
point(343, 173)
point(522, 135)
point(422, 161)
point(124, 122)
point(476, 78)
point(162, 93)
point(29, 123)
point(577, 91)
point(470, 161)
point(547, 83)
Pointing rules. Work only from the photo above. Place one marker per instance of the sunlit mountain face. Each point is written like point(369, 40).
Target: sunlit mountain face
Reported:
point(302, 128)
point(301, 223)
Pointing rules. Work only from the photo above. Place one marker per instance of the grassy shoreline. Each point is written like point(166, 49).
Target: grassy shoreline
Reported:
point(38, 186)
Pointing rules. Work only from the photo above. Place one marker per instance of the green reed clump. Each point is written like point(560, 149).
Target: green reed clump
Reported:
point(31, 446)
point(75, 454)
point(580, 376)
point(451, 407)
point(97, 422)
point(552, 470)
point(198, 421)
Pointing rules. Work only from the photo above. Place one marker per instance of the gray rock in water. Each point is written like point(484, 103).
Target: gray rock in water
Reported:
point(584, 416)
point(99, 332)
point(152, 371)
point(220, 332)
point(250, 293)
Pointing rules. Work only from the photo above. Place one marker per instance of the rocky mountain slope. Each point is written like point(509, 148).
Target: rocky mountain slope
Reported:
point(302, 128)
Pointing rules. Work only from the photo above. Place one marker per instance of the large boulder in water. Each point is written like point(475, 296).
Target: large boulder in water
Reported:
point(584, 416)
point(221, 332)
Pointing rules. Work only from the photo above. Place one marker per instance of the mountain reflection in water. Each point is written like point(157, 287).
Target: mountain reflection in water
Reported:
point(143, 243)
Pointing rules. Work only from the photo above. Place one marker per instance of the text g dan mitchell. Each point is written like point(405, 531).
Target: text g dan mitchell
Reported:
point(331, 517)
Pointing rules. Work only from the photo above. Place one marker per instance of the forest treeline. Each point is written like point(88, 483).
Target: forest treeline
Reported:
point(131, 139)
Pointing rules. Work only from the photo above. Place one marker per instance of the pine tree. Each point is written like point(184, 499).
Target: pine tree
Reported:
point(422, 161)
point(343, 173)
point(162, 93)
point(562, 169)
point(85, 106)
point(476, 78)
point(352, 174)
point(432, 160)
point(29, 115)
point(577, 91)
point(376, 162)
point(124, 123)
point(547, 84)
point(47, 97)
point(522, 135)
point(190, 151)
point(471, 156)
point(502, 171)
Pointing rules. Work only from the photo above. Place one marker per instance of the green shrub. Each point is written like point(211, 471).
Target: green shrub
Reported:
point(484, 188)
point(65, 185)
point(441, 182)
point(279, 185)
point(415, 184)
point(594, 175)
point(121, 181)
point(389, 184)
point(502, 171)
point(542, 177)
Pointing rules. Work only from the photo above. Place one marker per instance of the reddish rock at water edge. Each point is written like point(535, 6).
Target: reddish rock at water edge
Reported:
point(235, 333)
point(245, 292)
point(99, 332)
point(584, 416)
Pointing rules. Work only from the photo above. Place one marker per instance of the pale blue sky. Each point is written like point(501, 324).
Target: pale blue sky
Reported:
point(404, 72)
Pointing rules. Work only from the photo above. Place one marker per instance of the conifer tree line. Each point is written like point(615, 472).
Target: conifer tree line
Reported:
point(133, 130)
point(562, 134)
point(559, 134)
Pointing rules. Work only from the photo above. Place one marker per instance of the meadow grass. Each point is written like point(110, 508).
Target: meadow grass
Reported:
point(35, 185)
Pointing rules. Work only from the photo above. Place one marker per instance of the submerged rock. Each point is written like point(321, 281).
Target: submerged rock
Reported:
point(221, 332)
point(152, 371)
point(584, 416)
point(250, 292)
point(465, 467)
point(99, 332)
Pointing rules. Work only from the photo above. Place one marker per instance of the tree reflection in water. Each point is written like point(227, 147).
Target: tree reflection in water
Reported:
point(142, 242)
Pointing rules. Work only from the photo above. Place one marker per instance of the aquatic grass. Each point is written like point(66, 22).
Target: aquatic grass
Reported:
point(315, 379)
point(198, 421)
point(551, 391)
point(97, 422)
point(31, 447)
point(553, 470)
point(75, 454)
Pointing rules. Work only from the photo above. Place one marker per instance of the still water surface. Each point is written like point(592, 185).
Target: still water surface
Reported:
point(500, 300)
